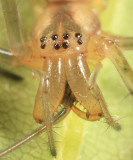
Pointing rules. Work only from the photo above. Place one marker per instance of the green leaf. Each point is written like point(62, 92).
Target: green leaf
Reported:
point(77, 138)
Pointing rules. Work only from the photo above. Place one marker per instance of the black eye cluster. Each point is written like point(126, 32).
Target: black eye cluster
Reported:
point(58, 45)
point(64, 44)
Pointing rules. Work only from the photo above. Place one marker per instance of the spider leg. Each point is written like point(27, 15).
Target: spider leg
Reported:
point(121, 64)
point(126, 43)
point(122, 42)
point(35, 133)
point(95, 91)
point(94, 73)
point(103, 47)
point(67, 103)
point(110, 121)
point(37, 6)
point(13, 26)
point(86, 91)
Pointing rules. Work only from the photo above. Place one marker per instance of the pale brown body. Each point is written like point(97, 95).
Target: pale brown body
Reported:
point(67, 39)
point(65, 65)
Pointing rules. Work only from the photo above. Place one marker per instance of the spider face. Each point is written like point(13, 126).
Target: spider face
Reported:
point(64, 32)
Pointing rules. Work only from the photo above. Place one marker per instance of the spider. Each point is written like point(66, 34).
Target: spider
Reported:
point(63, 44)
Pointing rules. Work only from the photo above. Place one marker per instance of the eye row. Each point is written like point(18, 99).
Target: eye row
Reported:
point(65, 36)
point(55, 36)
point(57, 45)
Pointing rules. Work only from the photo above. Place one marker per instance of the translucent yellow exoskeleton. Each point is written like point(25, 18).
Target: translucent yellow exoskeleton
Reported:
point(66, 39)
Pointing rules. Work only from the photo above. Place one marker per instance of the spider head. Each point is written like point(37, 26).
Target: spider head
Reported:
point(59, 32)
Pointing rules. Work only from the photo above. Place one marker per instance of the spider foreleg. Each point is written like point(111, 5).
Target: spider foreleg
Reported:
point(32, 135)
point(125, 43)
point(95, 91)
point(94, 74)
point(103, 47)
point(121, 64)
point(14, 28)
point(92, 79)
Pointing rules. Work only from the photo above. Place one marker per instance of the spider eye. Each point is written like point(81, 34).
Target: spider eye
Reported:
point(42, 39)
point(57, 46)
point(65, 45)
point(80, 41)
point(54, 37)
point(65, 36)
point(43, 46)
point(78, 35)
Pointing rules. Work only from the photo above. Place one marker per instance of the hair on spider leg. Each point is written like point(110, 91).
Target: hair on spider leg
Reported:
point(108, 127)
point(116, 126)
point(55, 140)
point(44, 142)
point(116, 129)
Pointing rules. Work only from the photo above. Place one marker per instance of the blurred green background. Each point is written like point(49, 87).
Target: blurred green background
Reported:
point(76, 139)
